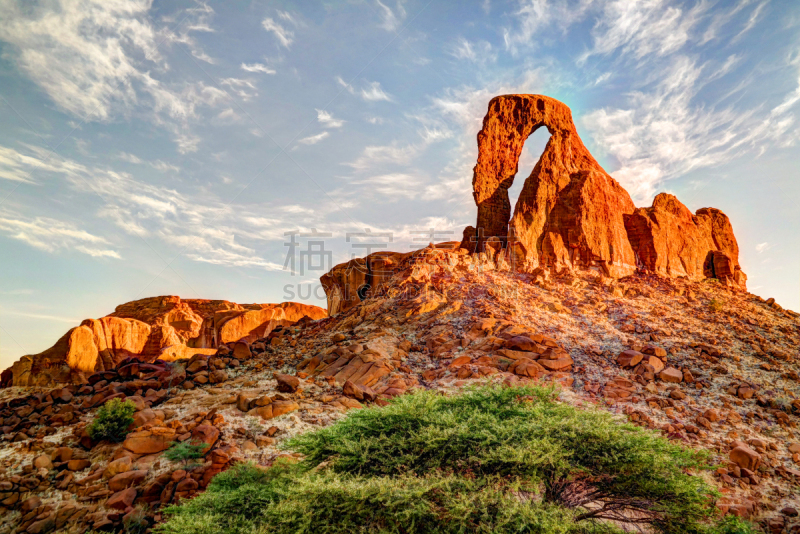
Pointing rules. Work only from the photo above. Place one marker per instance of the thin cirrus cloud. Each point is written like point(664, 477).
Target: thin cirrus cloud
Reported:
point(327, 120)
point(391, 19)
point(314, 139)
point(640, 29)
point(371, 92)
point(478, 52)
point(257, 67)
point(52, 235)
point(665, 131)
point(104, 60)
point(280, 28)
point(374, 92)
point(202, 228)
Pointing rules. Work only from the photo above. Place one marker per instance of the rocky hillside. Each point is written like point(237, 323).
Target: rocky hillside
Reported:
point(662, 334)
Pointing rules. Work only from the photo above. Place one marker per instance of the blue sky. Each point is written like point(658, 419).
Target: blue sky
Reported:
point(151, 148)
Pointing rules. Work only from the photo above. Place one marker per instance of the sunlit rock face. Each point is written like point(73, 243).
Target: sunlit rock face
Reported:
point(570, 211)
point(165, 327)
point(572, 215)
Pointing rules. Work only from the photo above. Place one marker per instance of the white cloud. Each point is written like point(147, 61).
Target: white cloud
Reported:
point(284, 35)
point(535, 16)
point(392, 185)
point(257, 67)
point(391, 19)
point(314, 139)
point(761, 247)
point(156, 164)
point(345, 85)
point(18, 292)
point(46, 317)
point(52, 235)
point(327, 120)
point(663, 133)
point(641, 28)
point(602, 78)
point(720, 19)
point(163, 166)
point(752, 20)
point(199, 226)
point(374, 92)
point(373, 156)
point(97, 59)
point(187, 143)
point(375, 120)
point(130, 158)
point(245, 89)
point(479, 52)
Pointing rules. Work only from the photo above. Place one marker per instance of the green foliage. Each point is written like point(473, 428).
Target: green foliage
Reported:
point(489, 460)
point(112, 420)
point(185, 451)
point(733, 525)
point(715, 305)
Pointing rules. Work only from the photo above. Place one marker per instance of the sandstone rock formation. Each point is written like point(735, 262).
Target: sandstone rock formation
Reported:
point(570, 211)
point(572, 214)
point(670, 241)
point(347, 284)
point(159, 327)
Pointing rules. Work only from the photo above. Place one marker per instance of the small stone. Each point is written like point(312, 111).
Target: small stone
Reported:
point(127, 479)
point(120, 465)
point(243, 402)
point(287, 383)
point(629, 358)
point(78, 465)
point(677, 394)
point(670, 374)
point(655, 351)
point(218, 376)
point(42, 461)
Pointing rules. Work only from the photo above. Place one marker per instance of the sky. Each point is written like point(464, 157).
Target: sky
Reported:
point(237, 150)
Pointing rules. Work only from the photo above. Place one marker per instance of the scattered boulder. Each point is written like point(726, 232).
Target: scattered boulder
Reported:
point(287, 383)
point(745, 457)
point(122, 499)
point(670, 374)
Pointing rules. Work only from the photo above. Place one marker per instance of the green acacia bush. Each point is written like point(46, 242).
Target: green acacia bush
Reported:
point(184, 452)
point(489, 460)
point(112, 420)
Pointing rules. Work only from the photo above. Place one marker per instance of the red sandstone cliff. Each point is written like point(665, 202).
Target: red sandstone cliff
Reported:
point(159, 327)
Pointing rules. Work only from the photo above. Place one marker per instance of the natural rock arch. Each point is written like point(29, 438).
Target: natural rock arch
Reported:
point(570, 211)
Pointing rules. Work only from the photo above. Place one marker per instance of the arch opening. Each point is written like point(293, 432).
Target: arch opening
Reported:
point(532, 152)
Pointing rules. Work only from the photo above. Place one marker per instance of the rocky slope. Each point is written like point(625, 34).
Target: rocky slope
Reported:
point(160, 327)
point(705, 364)
point(677, 345)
